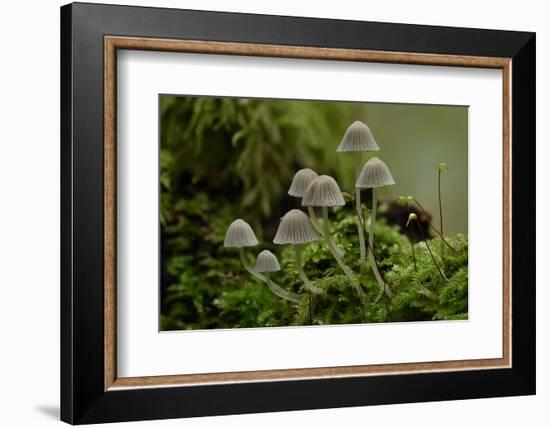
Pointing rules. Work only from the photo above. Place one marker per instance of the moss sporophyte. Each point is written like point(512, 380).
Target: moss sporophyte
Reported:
point(398, 274)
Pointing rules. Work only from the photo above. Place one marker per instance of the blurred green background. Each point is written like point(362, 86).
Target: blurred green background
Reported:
point(225, 158)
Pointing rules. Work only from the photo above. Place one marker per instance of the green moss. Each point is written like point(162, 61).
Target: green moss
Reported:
point(212, 290)
point(221, 159)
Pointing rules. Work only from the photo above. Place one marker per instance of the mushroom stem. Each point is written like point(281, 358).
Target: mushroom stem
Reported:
point(249, 267)
point(334, 250)
point(275, 288)
point(317, 225)
point(314, 220)
point(281, 292)
point(369, 248)
point(307, 283)
point(362, 250)
point(299, 266)
point(310, 307)
point(381, 283)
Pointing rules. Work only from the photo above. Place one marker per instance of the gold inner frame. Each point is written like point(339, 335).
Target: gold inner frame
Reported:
point(113, 43)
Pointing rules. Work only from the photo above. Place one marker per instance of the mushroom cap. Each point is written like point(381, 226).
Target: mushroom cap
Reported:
point(358, 138)
point(267, 262)
point(239, 234)
point(375, 173)
point(301, 181)
point(323, 192)
point(295, 228)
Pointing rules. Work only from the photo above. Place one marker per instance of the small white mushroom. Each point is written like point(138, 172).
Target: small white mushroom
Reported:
point(296, 229)
point(301, 181)
point(375, 174)
point(266, 262)
point(358, 138)
point(324, 192)
point(240, 234)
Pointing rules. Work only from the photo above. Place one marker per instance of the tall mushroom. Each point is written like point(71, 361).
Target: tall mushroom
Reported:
point(358, 138)
point(266, 262)
point(375, 174)
point(296, 229)
point(324, 192)
point(301, 181)
point(240, 235)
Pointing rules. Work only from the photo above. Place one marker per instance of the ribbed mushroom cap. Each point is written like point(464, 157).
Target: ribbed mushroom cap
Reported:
point(267, 262)
point(301, 181)
point(323, 192)
point(375, 173)
point(295, 228)
point(239, 234)
point(358, 138)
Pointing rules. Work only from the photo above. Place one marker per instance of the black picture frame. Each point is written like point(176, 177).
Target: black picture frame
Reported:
point(83, 398)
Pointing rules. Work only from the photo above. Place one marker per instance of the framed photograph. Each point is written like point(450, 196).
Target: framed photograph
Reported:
point(267, 213)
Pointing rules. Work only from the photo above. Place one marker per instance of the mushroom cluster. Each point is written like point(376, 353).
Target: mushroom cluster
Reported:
point(240, 235)
point(296, 228)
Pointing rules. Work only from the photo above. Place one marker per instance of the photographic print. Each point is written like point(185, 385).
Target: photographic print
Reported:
point(299, 198)
point(278, 212)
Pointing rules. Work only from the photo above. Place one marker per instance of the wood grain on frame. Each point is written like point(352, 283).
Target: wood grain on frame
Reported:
point(507, 213)
point(110, 223)
point(112, 43)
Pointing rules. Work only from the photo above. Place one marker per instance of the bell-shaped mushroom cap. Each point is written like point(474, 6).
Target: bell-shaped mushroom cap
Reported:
point(375, 173)
point(358, 138)
point(301, 181)
point(239, 234)
point(295, 228)
point(323, 192)
point(267, 262)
